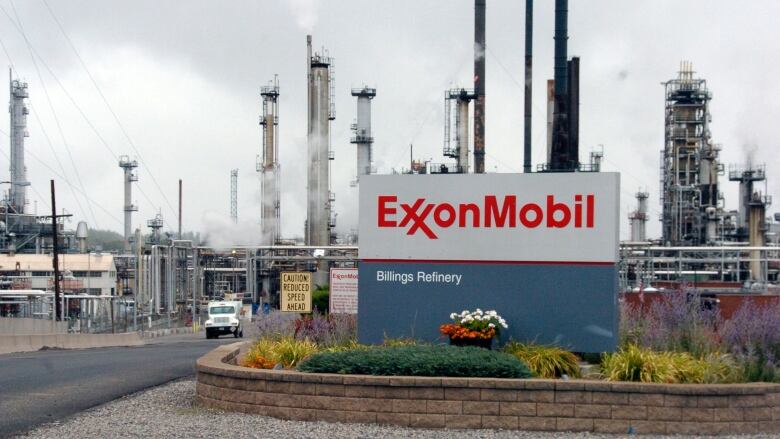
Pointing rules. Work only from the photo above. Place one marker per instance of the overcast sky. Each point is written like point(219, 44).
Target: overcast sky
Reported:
point(183, 79)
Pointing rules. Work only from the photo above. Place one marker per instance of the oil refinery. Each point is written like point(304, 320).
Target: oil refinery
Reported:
point(162, 277)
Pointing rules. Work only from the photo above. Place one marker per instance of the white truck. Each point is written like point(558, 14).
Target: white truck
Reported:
point(224, 318)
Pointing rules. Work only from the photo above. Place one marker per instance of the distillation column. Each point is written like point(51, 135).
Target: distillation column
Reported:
point(460, 150)
point(362, 128)
point(757, 238)
point(689, 161)
point(269, 167)
point(128, 167)
point(638, 218)
point(321, 111)
point(234, 195)
point(18, 111)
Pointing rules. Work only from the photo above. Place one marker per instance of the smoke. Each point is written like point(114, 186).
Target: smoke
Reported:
point(221, 233)
point(749, 150)
point(479, 52)
point(305, 13)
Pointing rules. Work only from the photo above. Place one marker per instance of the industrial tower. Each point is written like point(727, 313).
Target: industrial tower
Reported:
point(155, 224)
point(18, 172)
point(269, 165)
point(362, 129)
point(690, 196)
point(638, 218)
point(321, 109)
point(459, 115)
point(234, 195)
point(128, 167)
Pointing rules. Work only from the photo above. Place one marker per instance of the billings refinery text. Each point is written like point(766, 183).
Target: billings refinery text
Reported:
point(420, 215)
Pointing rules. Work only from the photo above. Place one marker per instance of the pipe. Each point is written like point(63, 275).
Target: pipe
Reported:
point(479, 86)
point(529, 34)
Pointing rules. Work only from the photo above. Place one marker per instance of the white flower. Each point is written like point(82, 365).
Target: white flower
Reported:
point(453, 316)
point(478, 311)
point(464, 313)
point(491, 313)
point(491, 325)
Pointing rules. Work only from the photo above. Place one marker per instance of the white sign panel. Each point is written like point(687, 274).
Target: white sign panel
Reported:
point(343, 290)
point(542, 217)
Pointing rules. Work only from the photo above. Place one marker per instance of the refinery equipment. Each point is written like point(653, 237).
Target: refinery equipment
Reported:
point(362, 129)
point(82, 233)
point(22, 232)
point(234, 195)
point(155, 225)
point(564, 140)
point(479, 86)
point(321, 107)
point(689, 162)
point(18, 125)
point(638, 218)
point(128, 166)
point(456, 112)
point(269, 166)
point(747, 177)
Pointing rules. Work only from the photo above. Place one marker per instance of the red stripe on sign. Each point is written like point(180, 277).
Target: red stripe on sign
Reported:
point(461, 261)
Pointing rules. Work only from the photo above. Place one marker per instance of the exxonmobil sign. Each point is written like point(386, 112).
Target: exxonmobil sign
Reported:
point(490, 212)
point(490, 217)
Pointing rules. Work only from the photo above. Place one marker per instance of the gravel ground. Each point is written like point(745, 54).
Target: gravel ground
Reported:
point(167, 411)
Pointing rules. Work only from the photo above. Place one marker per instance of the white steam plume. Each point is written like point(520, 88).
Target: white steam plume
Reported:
point(305, 13)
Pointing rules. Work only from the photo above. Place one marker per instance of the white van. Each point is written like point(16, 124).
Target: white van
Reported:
point(224, 319)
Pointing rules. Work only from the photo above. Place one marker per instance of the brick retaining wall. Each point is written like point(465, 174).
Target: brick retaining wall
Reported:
point(535, 404)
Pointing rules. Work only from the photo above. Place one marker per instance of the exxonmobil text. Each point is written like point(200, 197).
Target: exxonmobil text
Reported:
point(490, 213)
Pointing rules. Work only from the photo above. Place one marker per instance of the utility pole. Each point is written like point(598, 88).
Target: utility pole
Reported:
point(55, 260)
point(180, 208)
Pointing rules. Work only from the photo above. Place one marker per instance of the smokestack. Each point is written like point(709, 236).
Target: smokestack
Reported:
point(479, 86)
point(573, 112)
point(529, 35)
point(560, 159)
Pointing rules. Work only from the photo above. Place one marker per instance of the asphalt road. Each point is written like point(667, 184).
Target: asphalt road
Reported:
point(44, 386)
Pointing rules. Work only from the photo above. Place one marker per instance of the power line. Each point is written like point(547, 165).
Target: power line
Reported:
point(110, 109)
point(65, 179)
point(54, 113)
point(78, 108)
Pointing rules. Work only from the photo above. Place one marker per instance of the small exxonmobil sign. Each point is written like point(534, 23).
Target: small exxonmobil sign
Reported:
point(514, 217)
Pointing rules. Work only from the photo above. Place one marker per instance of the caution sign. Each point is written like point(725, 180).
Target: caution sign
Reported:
point(296, 292)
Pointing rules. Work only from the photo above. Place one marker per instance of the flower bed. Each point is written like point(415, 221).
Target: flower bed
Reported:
point(525, 404)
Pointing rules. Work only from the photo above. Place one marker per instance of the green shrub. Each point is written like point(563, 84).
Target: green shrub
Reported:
point(419, 360)
point(320, 299)
point(545, 361)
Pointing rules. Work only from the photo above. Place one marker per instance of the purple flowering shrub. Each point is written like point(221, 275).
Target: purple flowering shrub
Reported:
point(678, 323)
point(276, 324)
point(681, 323)
point(752, 335)
point(326, 330)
